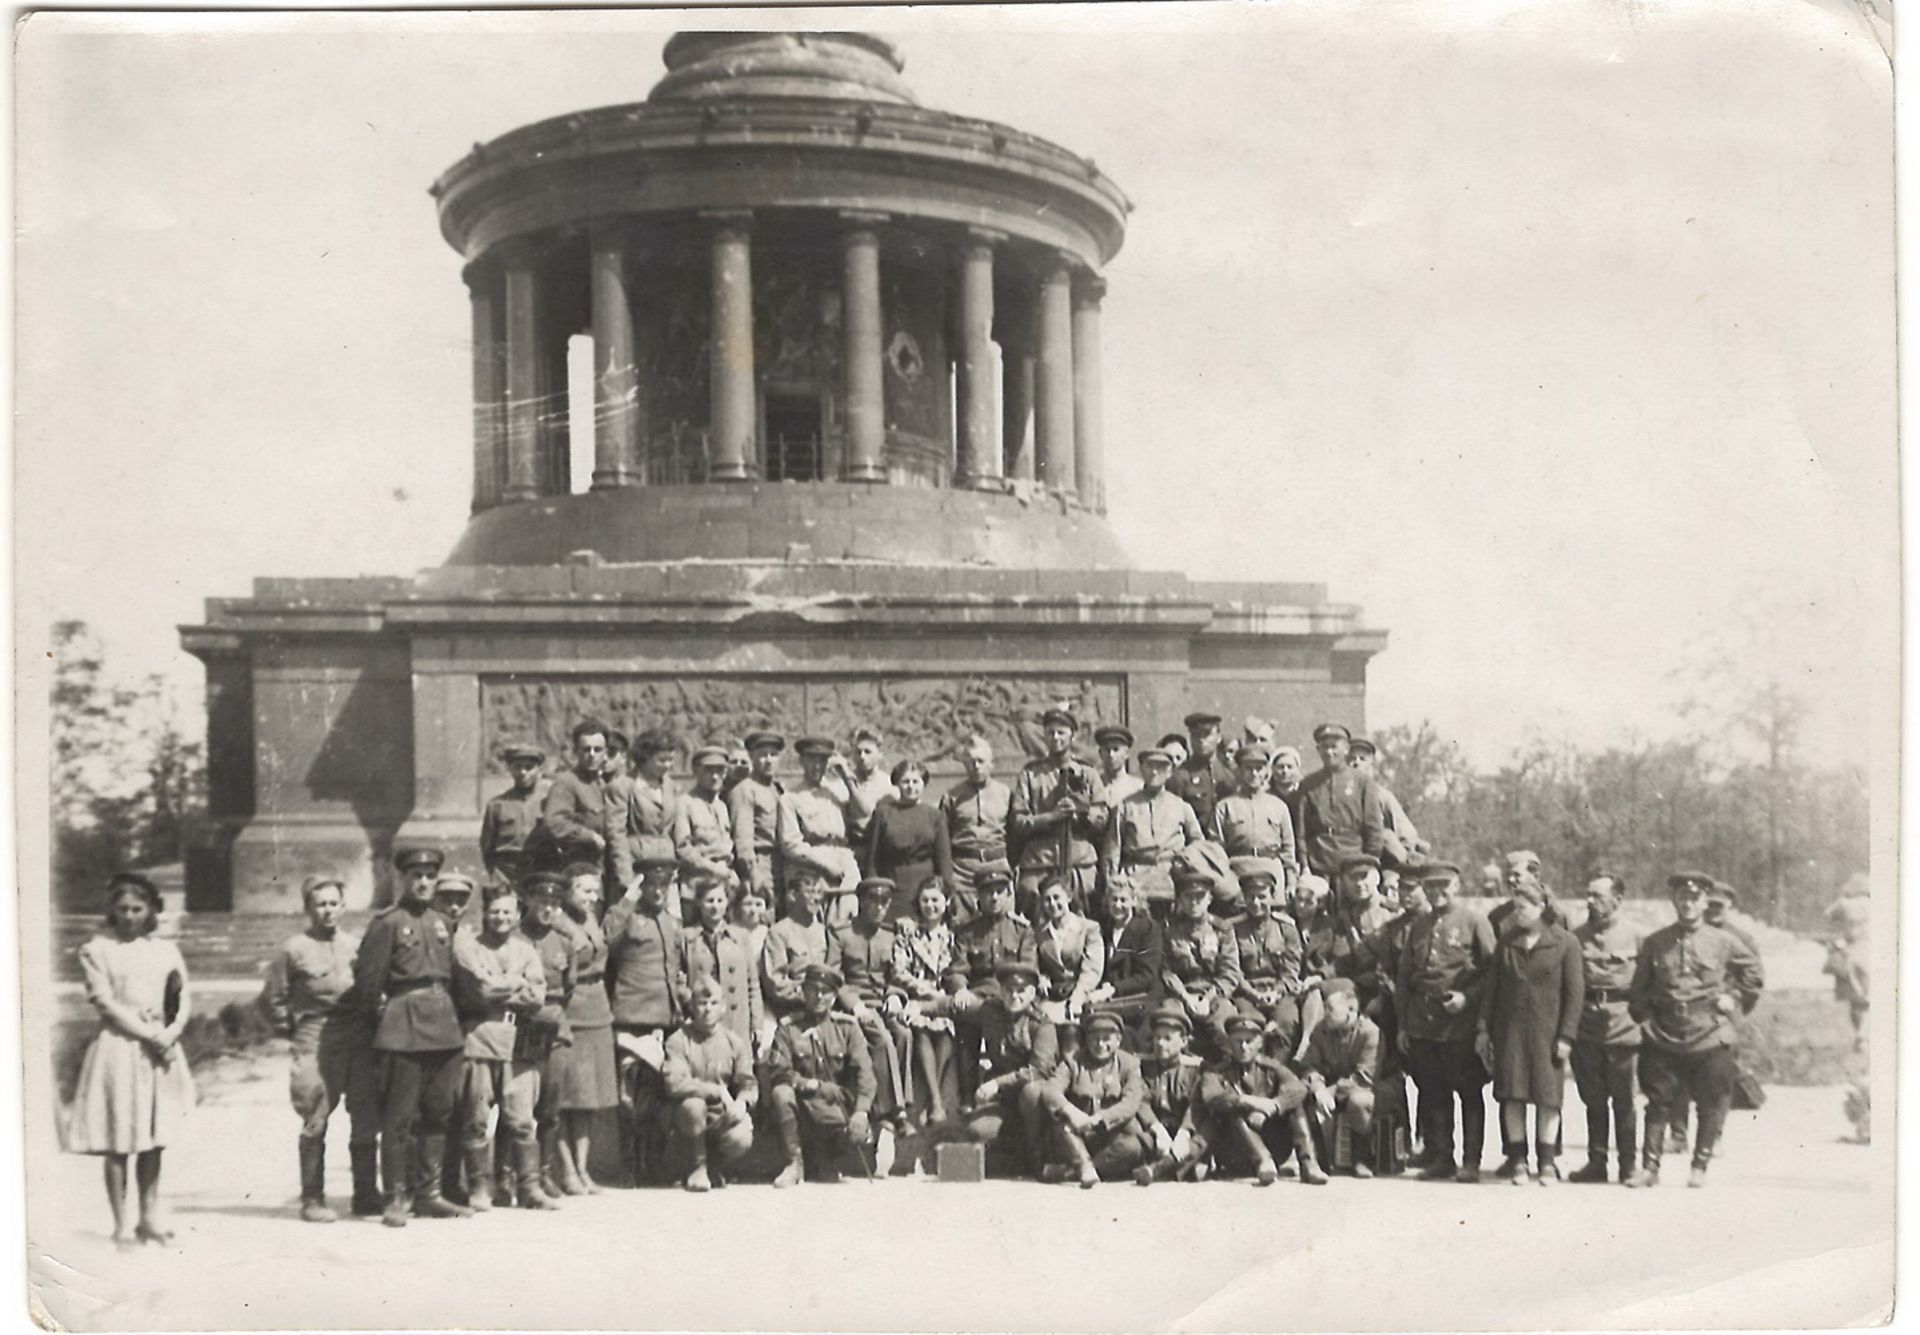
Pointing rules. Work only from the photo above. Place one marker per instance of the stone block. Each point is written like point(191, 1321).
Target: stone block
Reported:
point(961, 1162)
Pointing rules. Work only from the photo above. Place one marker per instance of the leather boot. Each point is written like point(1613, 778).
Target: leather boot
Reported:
point(479, 1178)
point(366, 1179)
point(313, 1181)
point(1159, 1170)
point(526, 1160)
point(1303, 1151)
point(428, 1203)
point(549, 1142)
point(394, 1174)
point(1653, 1143)
point(504, 1177)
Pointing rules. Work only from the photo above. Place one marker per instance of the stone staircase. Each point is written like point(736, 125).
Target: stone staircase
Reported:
point(215, 945)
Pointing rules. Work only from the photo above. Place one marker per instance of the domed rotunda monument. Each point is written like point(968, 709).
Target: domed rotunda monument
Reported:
point(848, 462)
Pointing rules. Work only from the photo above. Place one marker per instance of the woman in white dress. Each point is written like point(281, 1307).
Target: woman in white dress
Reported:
point(134, 1086)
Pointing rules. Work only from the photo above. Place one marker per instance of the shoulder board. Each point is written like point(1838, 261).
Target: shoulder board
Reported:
point(1015, 918)
point(786, 1022)
point(1188, 1059)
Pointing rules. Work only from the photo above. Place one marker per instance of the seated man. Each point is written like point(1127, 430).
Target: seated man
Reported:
point(1093, 1101)
point(1341, 1060)
point(1202, 960)
point(708, 1075)
point(1271, 955)
point(819, 1081)
point(1169, 1114)
point(1019, 1050)
point(799, 939)
point(862, 954)
point(1254, 1107)
point(1130, 980)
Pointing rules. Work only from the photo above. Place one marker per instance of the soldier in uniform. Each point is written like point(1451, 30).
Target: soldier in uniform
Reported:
point(1342, 1058)
point(1690, 982)
point(511, 817)
point(753, 809)
point(1058, 817)
point(544, 1032)
point(309, 999)
point(997, 936)
point(1340, 809)
point(813, 822)
point(1254, 1107)
point(1019, 1052)
point(703, 829)
point(707, 1074)
point(1170, 1109)
point(1441, 971)
point(1115, 743)
point(1608, 1045)
point(1206, 775)
point(1201, 968)
point(646, 973)
point(862, 954)
point(1148, 829)
point(1271, 956)
point(1092, 1102)
point(1130, 978)
point(498, 981)
point(798, 941)
point(819, 1082)
point(1364, 756)
point(715, 948)
point(976, 811)
point(580, 821)
point(862, 785)
point(401, 975)
point(1348, 936)
point(1251, 822)
point(650, 801)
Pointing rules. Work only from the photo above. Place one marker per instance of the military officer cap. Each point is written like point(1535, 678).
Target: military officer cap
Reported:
point(1112, 732)
point(995, 872)
point(1251, 869)
point(1326, 730)
point(815, 746)
point(1097, 1020)
point(1201, 718)
point(709, 754)
point(453, 883)
point(823, 975)
point(1333, 986)
point(1256, 753)
point(1352, 860)
point(1362, 746)
point(757, 741)
point(1239, 1021)
point(1016, 974)
point(1434, 870)
point(1721, 890)
point(808, 862)
point(532, 753)
point(1153, 755)
point(1187, 873)
point(1060, 717)
point(652, 853)
point(539, 884)
point(1685, 878)
point(877, 885)
point(1173, 1013)
point(406, 859)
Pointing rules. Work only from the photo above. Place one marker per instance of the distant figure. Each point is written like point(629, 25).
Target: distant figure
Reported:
point(511, 817)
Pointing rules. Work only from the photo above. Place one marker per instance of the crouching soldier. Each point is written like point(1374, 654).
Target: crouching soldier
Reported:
point(1341, 1061)
point(1256, 1107)
point(1093, 1100)
point(820, 1081)
point(1169, 1112)
point(498, 982)
point(1020, 1050)
point(707, 1074)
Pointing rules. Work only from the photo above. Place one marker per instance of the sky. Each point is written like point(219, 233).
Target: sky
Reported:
point(1558, 336)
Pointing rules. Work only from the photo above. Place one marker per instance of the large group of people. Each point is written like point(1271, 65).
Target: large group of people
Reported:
point(1184, 960)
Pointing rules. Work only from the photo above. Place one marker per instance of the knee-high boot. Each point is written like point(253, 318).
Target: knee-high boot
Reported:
point(428, 1202)
point(313, 1181)
point(366, 1179)
point(1303, 1151)
point(396, 1168)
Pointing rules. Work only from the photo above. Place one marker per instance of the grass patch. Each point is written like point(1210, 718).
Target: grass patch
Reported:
point(1799, 1037)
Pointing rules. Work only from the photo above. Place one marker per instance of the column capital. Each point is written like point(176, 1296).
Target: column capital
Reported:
point(1089, 288)
point(482, 274)
point(728, 220)
point(986, 236)
point(858, 220)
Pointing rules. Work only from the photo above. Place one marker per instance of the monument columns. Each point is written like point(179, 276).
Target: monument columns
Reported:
point(976, 466)
point(489, 386)
point(1053, 383)
point(734, 414)
point(862, 367)
point(616, 385)
point(523, 380)
point(1089, 439)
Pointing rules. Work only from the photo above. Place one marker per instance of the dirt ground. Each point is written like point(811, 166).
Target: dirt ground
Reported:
point(1796, 1229)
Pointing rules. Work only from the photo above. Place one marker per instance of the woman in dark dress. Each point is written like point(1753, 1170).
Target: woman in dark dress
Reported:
point(908, 840)
point(1529, 1015)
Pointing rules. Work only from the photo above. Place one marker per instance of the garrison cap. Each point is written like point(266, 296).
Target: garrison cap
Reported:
point(1060, 717)
point(877, 885)
point(406, 859)
point(766, 740)
point(1681, 878)
point(1330, 986)
point(706, 754)
point(1359, 860)
point(542, 883)
point(1102, 1020)
point(1249, 869)
point(1255, 753)
point(1239, 1021)
point(1201, 718)
point(518, 752)
point(1154, 755)
point(1364, 746)
point(996, 871)
point(1016, 974)
point(823, 975)
point(1326, 730)
point(815, 746)
point(1112, 732)
point(1171, 1012)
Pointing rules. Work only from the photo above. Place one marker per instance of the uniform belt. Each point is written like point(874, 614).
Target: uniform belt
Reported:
point(416, 984)
point(981, 852)
point(1604, 994)
point(828, 841)
point(1268, 851)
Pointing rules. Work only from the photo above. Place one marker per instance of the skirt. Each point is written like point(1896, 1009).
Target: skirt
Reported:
point(125, 1102)
point(583, 1075)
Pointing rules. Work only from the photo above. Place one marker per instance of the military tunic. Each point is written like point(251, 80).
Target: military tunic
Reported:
point(791, 946)
point(1257, 825)
point(505, 827)
point(985, 944)
point(1146, 831)
point(813, 821)
point(1050, 840)
point(703, 836)
point(646, 964)
point(976, 816)
point(1679, 976)
point(753, 812)
point(309, 999)
point(1203, 781)
point(1112, 1092)
point(831, 1050)
point(1170, 1101)
point(1340, 813)
point(650, 810)
point(578, 809)
point(406, 962)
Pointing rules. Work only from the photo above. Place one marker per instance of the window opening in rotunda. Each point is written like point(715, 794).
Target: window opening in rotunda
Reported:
point(580, 409)
point(793, 438)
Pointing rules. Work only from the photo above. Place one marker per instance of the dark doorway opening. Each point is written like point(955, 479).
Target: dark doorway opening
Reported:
point(793, 438)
